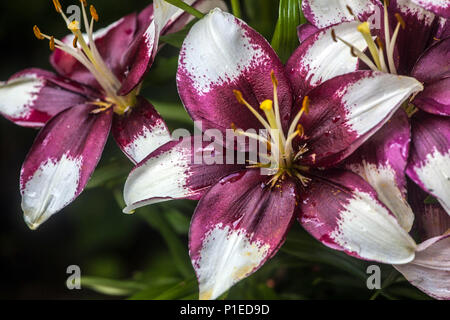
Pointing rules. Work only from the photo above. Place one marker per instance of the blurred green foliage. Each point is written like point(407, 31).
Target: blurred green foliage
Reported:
point(145, 255)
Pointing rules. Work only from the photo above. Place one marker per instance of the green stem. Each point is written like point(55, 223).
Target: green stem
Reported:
point(185, 7)
point(386, 283)
point(236, 6)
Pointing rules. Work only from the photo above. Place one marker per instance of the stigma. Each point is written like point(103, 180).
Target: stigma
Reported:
point(281, 159)
point(381, 56)
point(84, 50)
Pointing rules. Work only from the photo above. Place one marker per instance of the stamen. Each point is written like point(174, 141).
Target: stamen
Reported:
point(38, 33)
point(75, 41)
point(350, 10)
point(364, 28)
point(57, 5)
point(52, 43)
point(241, 100)
point(358, 53)
point(74, 26)
point(94, 14)
point(84, 3)
point(400, 20)
point(333, 35)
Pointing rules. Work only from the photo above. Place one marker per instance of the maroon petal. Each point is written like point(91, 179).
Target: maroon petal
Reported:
point(304, 31)
point(433, 64)
point(177, 170)
point(381, 161)
point(237, 226)
point(420, 25)
point(112, 43)
point(140, 131)
point(319, 58)
point(63, 157)
point(429, 162)
point(347, 110)
point(435, 98)
point(222, 54)
point(342, 211)
point(439, 7)
point(33, 96)
point(430, 270)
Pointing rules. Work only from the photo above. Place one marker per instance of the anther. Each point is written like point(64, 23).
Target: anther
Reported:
point(350, 10)
point(266, 105)
point(75, 42)
point(57, 5)
point(84, 3)
point(239, 96)
point(38, 33)
point(94, 14)
point(305, 105)
point(352, 52)
point(400, 20)
point(333, 35)
point(52, 43)
point(379, 43)
point(274, 79)
point(364, 28)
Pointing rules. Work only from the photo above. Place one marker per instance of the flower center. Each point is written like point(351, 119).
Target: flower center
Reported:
point(281, 158)
point(85, 51)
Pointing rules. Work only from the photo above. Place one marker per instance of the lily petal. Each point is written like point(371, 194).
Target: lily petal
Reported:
point(435, 98)
point(433, 64)
point(238, 225)
point(175, 171)
point(140, 131)
point(221, 54)
point(347, 110)
point(112, 43)
point(381, 161)
point(430, 270)
point(342, 211)
point(62, 159)
point(324, 13)
point(439, 7)
point(319, 58)
point(33, 96)
point(429, 163)
point(304, 31)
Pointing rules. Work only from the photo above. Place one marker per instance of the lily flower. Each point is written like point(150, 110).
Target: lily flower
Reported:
point(393, 51)
point(430, 269)
point(226, 70)
point(96, 88)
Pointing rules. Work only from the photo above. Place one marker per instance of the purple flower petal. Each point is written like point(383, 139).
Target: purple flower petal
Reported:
point(238, 225)
point(420, 25)
point(381, 161)
point(33, 96)
point(324, 13)
point(112, 43)
point(430, 270)
point(347, 110)
point(435, 98)
point(433, 64)
point(222, 54)
point(429, 163)
point(319, 58)
point(342, 211)
point(140, 131)
point(62, 159)
point(439, 7)
point(304, 31)
point(177, 170)
point(166, 18)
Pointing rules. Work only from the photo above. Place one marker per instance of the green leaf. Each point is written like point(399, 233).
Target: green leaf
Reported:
point(430, 200)
point(172, 112)
point(176, 39)
point(285, 39)
point(109, 174)
point(112, 287)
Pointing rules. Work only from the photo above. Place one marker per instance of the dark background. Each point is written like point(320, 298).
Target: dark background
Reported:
point(93, 233)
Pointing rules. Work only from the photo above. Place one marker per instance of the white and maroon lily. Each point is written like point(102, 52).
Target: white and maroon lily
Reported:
point(226, 70)
point(418, 46)
point(96, 88)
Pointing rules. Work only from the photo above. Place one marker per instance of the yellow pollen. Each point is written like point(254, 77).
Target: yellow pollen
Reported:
point(364, 28)
point(266, 105)
point(52, 43)
point(93, 13)
point(74, 26)
point(57, 5)
point(400, 20)
point(38, 33)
